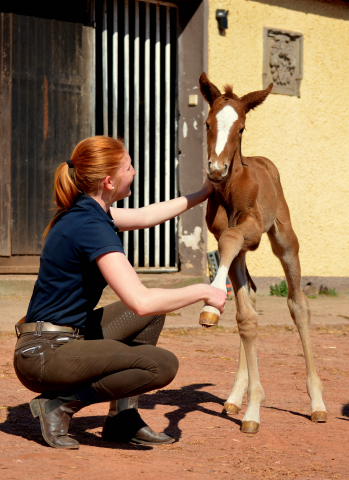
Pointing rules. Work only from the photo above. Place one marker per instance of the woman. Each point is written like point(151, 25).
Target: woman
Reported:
point(73, 354)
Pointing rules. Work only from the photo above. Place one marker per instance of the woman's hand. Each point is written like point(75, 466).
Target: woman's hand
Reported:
point(216, 297)
point(207, 188)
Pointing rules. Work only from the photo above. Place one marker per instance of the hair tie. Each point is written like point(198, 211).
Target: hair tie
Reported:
point(69, 163)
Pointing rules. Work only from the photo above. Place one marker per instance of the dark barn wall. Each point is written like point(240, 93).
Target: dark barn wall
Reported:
point(46, 108)
point(51, 112)
point(5, 133)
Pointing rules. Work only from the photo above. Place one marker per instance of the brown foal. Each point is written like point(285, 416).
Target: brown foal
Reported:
point(248, 201)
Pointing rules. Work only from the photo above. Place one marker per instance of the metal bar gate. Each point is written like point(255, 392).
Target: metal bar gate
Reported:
point(139, 100)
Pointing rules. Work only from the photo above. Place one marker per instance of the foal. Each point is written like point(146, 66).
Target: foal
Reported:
point(248, 201)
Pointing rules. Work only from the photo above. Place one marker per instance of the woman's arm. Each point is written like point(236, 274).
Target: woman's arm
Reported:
point(146, 217)
point(141, 300)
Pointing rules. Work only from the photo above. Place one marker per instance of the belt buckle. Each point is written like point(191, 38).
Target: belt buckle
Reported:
point(38, 328)
point(18, 333)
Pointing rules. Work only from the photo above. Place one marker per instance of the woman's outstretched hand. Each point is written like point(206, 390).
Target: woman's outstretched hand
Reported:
point(207, 188)
point(151, 215)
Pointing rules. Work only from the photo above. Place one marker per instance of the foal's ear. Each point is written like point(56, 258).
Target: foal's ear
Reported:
point(209, 91)
point(253, 99)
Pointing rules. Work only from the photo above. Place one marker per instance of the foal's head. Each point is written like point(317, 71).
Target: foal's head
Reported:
point(225, 124)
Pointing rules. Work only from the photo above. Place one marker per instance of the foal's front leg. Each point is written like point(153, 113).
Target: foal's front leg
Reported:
point(210, 315)
point(230, 244)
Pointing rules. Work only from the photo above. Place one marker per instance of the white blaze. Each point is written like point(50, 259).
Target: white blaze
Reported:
point(225, 120)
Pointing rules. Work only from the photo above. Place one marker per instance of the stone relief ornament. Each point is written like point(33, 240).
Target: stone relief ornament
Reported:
point(283, 61)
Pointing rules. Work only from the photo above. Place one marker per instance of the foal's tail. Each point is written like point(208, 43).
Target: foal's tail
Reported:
point(253, 288)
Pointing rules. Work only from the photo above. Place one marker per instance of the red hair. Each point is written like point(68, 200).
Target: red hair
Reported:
point(93, 159)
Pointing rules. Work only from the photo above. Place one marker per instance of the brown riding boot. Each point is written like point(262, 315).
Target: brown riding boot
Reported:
point(55, 422)
point(124, 424)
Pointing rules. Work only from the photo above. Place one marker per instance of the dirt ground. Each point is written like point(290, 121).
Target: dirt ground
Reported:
point(210, 445)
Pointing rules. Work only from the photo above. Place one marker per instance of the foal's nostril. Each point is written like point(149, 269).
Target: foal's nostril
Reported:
point(208, 168)
point(225, 171)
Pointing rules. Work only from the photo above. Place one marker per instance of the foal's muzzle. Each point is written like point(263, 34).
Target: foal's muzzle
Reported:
point(217, 173)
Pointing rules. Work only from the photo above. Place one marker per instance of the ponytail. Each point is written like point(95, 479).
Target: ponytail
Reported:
point(93, 159)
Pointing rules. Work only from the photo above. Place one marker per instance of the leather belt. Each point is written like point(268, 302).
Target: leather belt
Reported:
point(38, 327)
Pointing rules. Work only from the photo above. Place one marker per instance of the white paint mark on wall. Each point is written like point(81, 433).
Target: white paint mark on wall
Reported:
point(195, 124)
point(225, 120)
point(185, 129)
point(192, 240)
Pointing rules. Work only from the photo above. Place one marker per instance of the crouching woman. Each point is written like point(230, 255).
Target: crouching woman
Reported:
point(74, 354)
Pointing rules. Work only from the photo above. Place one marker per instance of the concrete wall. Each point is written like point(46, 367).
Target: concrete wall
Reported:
point(307, 137)
point(192, 60)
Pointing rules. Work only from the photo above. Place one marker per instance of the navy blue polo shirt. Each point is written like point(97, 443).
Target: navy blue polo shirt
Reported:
point(69, 283)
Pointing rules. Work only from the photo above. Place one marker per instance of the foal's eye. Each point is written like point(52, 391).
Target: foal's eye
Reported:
point(207, 126)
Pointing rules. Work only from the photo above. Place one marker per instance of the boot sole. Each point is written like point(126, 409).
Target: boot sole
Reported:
point(136, 441)
point(36, 412)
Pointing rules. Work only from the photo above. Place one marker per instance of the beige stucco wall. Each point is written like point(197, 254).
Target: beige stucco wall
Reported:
point(307, 137)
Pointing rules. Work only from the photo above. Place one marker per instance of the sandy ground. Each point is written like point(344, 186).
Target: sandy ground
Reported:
point(209, 444)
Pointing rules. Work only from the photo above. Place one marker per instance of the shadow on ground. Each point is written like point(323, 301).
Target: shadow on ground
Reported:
point(345, 410)
point(19, 421)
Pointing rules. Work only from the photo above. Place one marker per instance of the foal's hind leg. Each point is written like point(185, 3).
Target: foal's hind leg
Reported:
point(285, 246)
point(233, 404)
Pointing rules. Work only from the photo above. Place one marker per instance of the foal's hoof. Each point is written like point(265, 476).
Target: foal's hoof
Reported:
point(208, 318)
point(230, 409)
point(249, 427)
point(319, 417)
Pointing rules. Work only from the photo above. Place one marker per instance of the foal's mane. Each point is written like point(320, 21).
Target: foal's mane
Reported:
point(228, 92)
